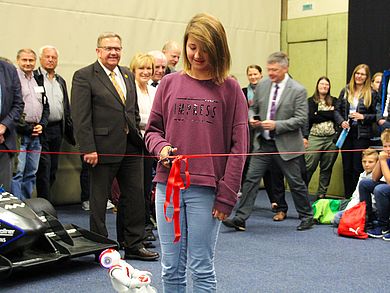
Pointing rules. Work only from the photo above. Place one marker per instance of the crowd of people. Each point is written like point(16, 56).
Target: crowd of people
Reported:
point(358, 110)
point(122, 117)
point(36, 116)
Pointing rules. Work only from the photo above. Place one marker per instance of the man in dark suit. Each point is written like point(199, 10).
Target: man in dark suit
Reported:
point(280, 108)
point(106, 121)
point(60, 122)
point(11, 107)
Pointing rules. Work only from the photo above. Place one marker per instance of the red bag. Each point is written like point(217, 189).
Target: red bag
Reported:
point(352, 222)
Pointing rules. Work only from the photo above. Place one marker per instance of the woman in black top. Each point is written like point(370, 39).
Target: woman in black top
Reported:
point(321, 135)
point(356, 110)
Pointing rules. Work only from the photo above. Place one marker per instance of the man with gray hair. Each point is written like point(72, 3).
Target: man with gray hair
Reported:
point(30, 128)
point(60, 122)
point(172, 51)
point(278, 113)
point(160, 65)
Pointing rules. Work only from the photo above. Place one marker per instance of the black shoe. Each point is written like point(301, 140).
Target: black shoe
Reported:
point(234, 223)
point(305, 224)
point(141, 254)
point(148, 244)
point(97, 257)
point(149, 236)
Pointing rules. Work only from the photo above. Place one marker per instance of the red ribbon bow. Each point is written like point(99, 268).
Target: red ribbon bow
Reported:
point(175, 183)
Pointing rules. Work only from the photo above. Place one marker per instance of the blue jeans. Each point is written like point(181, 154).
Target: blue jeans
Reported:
point(337, 218)
point(385, 125)
point(199, 232)
point(24, 180)
point(381, 191)
point(382, 198)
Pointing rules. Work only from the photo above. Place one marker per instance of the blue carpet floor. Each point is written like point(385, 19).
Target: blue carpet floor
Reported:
point(268, 257)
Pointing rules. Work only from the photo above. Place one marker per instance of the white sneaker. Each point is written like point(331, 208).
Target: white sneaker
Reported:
point(85, 205)
point(110, 205)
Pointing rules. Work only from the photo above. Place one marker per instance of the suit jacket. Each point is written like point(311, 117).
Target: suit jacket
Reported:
point(67, 123)
point(291, 115)
point(103, 124)
point(12, 104)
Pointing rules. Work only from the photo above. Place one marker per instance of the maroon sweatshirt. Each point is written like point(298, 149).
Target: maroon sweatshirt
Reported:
point(201, 117)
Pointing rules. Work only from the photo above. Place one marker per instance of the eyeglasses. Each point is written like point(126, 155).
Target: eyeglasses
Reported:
point(109, 49)
point(359, 73)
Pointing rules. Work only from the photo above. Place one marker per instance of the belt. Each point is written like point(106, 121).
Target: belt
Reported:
point(54, 123)
point(270, 141)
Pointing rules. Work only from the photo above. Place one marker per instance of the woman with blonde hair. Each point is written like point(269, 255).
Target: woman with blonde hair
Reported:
point(356, 111)
point(200, 102)
point(142, 65)
point(376, 81)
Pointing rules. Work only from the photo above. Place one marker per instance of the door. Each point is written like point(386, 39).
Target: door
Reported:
point(308, 62)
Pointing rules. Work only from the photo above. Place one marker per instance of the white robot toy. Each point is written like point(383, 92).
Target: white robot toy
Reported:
point(124, 277)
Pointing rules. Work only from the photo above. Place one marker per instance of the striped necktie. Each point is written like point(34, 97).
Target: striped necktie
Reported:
point(272, 112)
point(273, 103)
point(117, 87)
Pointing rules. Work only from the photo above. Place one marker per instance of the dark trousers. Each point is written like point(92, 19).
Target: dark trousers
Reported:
point(84, 180)
point(274, 185)
point(5, 169)
point(381, 191)
point(352, 161)
point(273, 179)
point(251, 146)
point(51, 141)
point(302, 164)
point(148, 186)
point(131, 206)
point(366, 188)
point(291, 170)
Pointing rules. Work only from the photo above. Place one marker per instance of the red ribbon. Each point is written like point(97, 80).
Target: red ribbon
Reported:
point(175, 183)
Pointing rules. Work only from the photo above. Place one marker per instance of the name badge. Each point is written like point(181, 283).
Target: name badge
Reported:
point(39, 89)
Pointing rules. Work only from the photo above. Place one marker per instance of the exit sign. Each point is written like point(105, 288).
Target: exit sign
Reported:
point(307, 6)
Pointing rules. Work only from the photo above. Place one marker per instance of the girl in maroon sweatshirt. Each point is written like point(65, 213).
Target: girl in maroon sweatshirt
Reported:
point(199, 110)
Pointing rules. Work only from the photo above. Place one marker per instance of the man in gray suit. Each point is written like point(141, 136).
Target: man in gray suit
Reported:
point(278, 113)
point(106, 122)
point(11, 107)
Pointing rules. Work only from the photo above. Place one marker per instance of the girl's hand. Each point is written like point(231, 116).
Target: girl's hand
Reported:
point(165, 153)
point(219, 215)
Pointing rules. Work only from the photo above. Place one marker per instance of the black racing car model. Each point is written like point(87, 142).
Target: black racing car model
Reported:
point(31, 235)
